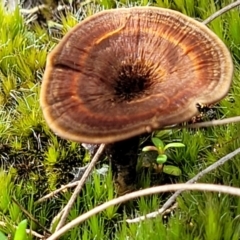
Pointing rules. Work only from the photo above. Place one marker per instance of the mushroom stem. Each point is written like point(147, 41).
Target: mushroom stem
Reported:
point(123, 157)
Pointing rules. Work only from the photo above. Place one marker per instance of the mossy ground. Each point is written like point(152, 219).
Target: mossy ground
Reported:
point(34, 161)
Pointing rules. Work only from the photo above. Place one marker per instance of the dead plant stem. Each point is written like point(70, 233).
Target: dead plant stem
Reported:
point(79, 186)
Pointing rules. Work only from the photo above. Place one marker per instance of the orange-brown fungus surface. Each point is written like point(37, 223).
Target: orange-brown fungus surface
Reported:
point(123, 72)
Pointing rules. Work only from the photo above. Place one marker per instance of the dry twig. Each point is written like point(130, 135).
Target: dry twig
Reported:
point(52, 194)
point(30, 216)
point(221, 11)
point(149, 191)
point(34, 9)
point(79, 186)
point(208, 123)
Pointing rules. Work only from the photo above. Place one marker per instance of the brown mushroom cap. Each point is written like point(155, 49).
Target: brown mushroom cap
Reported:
point(123, 72)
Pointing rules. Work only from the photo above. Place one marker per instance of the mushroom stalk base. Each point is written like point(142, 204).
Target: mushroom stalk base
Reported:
point(123, 157)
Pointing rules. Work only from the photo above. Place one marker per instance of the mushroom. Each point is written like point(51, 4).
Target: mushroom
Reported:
point(124, 72)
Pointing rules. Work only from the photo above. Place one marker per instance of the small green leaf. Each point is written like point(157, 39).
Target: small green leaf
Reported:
point(149, 148)
point(158, 143)
point(172, 170)
point(161, 158)
point(20, 233)
point(176, 144)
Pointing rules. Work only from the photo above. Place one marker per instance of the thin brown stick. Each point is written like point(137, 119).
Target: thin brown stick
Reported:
point(52, 194)
point(221, 11)
point(79, 186)
point(208, 124)
point(34, 9)
point(29, 215)
point(172, 199)
point(149, 191)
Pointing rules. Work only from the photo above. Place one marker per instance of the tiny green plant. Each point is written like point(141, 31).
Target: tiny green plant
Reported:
point(161, 148)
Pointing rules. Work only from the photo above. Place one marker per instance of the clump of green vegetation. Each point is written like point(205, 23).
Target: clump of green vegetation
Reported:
point(35, 161)
point(161, 157)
